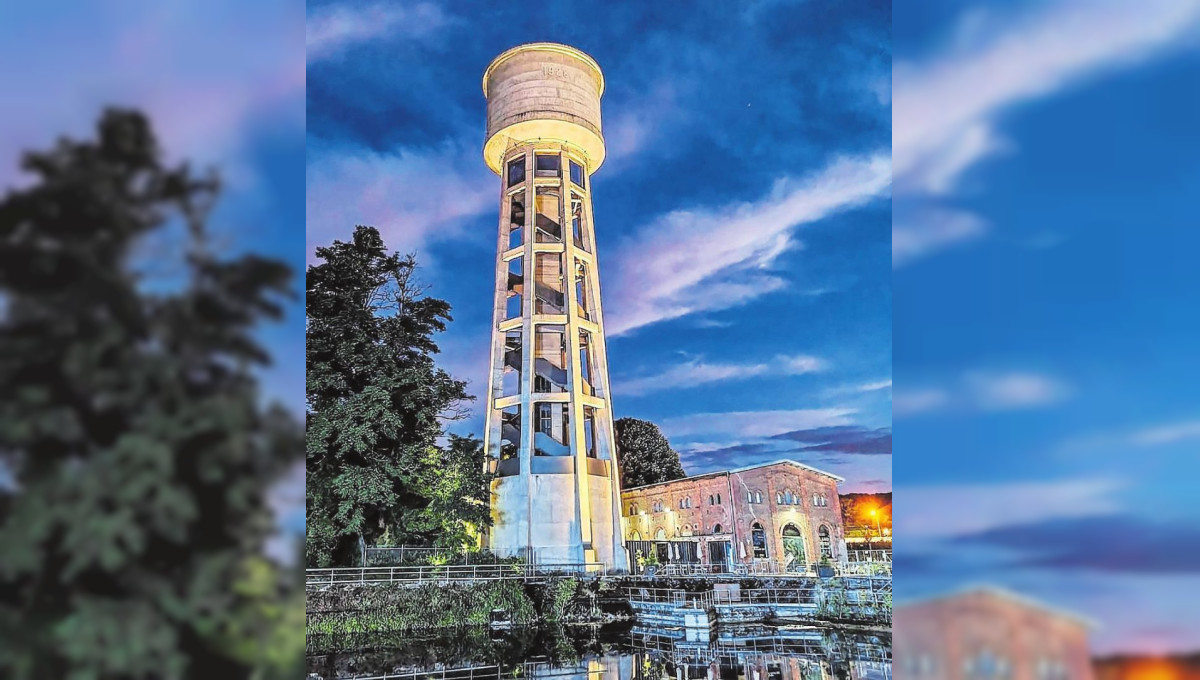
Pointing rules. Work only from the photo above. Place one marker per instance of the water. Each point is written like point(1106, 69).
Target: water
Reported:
point(610, 653)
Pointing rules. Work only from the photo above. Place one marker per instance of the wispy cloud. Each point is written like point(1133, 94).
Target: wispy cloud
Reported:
point(700, 372)
point(957, 510)
point(755, 423)
point(1167, 434)
point(984, 391)
point(411, 196)
point(1004, 391)
point(702, 260)
point(330, 29)
point(930, 231)
point(945, 107)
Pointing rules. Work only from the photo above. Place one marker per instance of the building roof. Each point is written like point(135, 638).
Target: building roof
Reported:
point(741, 469)
point(1001, 594)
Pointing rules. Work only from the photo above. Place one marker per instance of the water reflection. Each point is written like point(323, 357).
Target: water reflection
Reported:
point(610, 653)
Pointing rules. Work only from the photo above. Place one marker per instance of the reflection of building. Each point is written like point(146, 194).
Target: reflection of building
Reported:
point(549, 435)
point(783, 512)
point(988, 633)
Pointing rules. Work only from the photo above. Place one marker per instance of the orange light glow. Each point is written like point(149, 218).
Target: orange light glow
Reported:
point(1154, 669)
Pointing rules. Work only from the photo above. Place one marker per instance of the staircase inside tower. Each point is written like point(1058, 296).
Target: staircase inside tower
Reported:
point(548, 284)
point(548, 220)
point(550, 360)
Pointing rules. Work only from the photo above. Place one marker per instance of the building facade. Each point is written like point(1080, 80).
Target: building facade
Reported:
point(549, 435)
point(988, 633)
point(784, 514)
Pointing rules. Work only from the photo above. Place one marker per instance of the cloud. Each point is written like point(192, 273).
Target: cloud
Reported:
point(698, 372)
point(930, 231)
point(332, 28)
point(755, 423)
point(958, 510)
point(1167, 434)
point(943, 107)
point(843, 439)
point(1007, 391)
point(708, 259)
point(910, 402)
point(983, 391)
point(946, 107)
point(411, 196)
point(1116, 543)
point(204, 109)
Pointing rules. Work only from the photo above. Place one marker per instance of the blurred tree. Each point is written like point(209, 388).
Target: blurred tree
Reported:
point(376, 406)
point(134, 441)
point(644, 455)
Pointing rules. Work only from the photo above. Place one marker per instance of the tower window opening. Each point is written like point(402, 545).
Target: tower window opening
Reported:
point(582, 294)
point(576, 174)
point(516, 219)
point(552, 433)
point(589, 432)
point(515, 291)
point(510, 433)
point(548, 284)
point(546, 165)
point(548, 204)
point(577, 223)
point(550, 359)
point(516, 171)
point(511, 380)
point(586, 371)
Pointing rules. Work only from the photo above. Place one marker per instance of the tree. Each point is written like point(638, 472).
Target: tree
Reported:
point(376, 407)
point(132, 432)
point(644, 455)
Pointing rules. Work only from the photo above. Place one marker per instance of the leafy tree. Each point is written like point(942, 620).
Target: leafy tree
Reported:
point(376, 406)
point(644, 455)
point(136, 448)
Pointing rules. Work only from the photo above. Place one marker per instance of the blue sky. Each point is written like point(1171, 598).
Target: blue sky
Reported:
point(742, 215)
point(1045, 315)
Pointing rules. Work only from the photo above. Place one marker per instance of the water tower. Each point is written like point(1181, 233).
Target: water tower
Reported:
point(549, 437)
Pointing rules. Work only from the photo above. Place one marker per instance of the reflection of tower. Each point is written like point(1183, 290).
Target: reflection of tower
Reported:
point(549, 434)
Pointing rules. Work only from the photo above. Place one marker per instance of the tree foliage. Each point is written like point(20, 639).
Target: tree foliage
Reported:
point(644, 455)
point(136, 448)
point(376, 409)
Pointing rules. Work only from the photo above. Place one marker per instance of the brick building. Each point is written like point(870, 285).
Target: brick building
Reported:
point(988, 633)
point(782, 514)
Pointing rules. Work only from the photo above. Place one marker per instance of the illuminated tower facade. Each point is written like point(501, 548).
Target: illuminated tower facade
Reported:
point(549, 437)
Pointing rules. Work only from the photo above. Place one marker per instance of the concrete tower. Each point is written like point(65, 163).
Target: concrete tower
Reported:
point(549, 436)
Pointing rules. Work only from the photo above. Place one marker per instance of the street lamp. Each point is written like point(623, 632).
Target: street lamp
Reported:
point(875, 514)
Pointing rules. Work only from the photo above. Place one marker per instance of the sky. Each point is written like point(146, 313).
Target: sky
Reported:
point(742, 214)
point(1045, 321)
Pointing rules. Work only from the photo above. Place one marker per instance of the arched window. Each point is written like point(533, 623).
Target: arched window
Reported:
point(718, 499)
point(758, 497)
point(779, 498)
point(710, 499)
point(788, 498)
point(660, 535)
point(635, 535)
point(758, 538)
point(826, 542)
point(749, 496)
point(791, 530)
point(717, 528)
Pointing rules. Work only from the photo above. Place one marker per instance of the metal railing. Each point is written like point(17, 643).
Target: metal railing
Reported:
point(671, 596)
point(449, 572)
point(856, 555)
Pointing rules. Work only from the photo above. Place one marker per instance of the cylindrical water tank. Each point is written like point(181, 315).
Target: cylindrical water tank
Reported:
point(543, 92)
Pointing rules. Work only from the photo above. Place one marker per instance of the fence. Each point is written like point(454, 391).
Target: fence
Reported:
point(448, 572)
